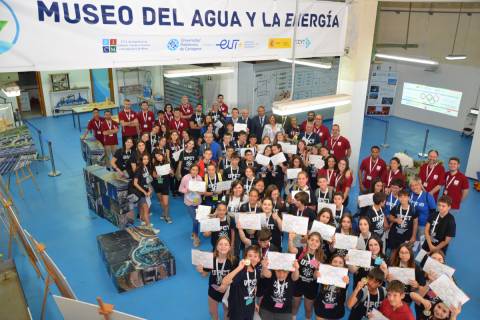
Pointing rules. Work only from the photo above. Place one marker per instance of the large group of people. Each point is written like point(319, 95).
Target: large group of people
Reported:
point(406, 215)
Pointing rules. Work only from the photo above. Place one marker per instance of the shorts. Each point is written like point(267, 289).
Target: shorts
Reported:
point(308, 290)
point(135, 201)
point(215, 295)
point(161, 188)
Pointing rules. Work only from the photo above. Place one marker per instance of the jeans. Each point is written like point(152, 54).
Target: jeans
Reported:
point(196, 225)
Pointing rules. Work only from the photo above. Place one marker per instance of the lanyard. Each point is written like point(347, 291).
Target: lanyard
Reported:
point(376, 213)
point(198, 118)
point(128, 115)
point(334, 143)
point(368, 300)
point(309, 136)
point(145, 116)
point(281, 287)
point(300, 213)
point(370, 165)
point(219, 273)
point(449, 180)
point(330, 175)
point(248, 187)
point(435, 223)
point(109, 124)
point(187, 110)
point(390, 176)
point(214, 182)
point(320, 195)
point(250, 288)
point(178, 124)
point(97, 124)
point(335, 214)
point(250, 208)
point(415, 203)
point(267, 219)
point(266, 253)
point(227, 164)
point(430, 173)
point(404, 216)
point(392, 204)
point(337, 180)
point(231, 172)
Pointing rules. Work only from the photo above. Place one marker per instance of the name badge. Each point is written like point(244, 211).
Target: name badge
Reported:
point(249, 301)
point(331, 151)
point(456, 183)
point(369, 178)
point(329, 306)
point(321, 134)
point(425, 184)
point(110, 135)
point(149, 118)
point(339, 144)
point(435, 176)
point(99, 132)
point(145, 125)
point(314, 263)
point(379, 168)
point(279, 305)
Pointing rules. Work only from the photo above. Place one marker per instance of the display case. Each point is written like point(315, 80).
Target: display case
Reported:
point(7, 120)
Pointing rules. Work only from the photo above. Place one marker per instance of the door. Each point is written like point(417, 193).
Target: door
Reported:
point(101, 84)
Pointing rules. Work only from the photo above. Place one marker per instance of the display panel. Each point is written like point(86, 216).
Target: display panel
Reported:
point(434, 99)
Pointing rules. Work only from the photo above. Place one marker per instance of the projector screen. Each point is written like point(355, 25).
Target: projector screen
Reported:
point(439, 100)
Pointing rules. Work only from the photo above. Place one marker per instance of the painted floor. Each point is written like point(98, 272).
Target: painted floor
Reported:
point(58, 216)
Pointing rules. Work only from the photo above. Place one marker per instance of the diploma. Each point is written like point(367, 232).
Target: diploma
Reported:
point(243, 150)
point(448, 291)
point(293, 173)
point(404, 275)
point(330, 206)
point(359, 258)
point(365, 200)
point(279, 158)
point(250, 221)
point(420, 255)
point(288, 148)
point(261, 147)
point(376, 315)
point(237, 127)
point(291, 223)
point(197, 186)
point(212, 224)
point(432, 265)
point(176, 154)
point(203, 212)
point(223, 186)
point(281, 261)
point(218, 124)
point(202, 258)
point(345, 242)
point(325, 230)
point(163, 170)
point(332, 275)
point(316, 160)
point(262, 160)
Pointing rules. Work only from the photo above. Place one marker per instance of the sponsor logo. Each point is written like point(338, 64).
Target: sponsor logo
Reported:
point(9, 27)
point(279, 43)
point(234, 44)
point(109, 45)
point(305, 43)
point(173, 44)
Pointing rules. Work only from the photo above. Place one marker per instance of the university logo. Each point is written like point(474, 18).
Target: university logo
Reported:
point(9, 27)
point(173, 44)
point(109, 45)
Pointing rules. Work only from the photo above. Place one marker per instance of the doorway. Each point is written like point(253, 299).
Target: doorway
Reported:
point(30, 101)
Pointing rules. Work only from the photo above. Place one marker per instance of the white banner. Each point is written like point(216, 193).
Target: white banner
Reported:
point(56, 35)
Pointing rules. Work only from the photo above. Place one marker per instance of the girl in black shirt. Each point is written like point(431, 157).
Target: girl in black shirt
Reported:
point(174, 146)
point(212, 178)
point(277, 292)
point(123, 161)
point(227, 226)
point(187, 158)
point(374, 245)
point(223, 262)
point(330, 301)
point(161, 184)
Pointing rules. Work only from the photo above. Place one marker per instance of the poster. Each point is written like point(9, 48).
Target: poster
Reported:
point(381, 89)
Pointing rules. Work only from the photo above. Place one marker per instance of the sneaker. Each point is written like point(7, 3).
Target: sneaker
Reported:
point(156, 231)
point(169, 220)
point(142, 223)
point(163, 218)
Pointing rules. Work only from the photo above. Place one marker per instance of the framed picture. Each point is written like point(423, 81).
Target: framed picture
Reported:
point(60, 82)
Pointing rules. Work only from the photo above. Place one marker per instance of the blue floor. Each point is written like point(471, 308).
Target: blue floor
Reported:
point(58, 216)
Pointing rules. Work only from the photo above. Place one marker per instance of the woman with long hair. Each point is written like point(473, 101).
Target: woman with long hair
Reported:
point(343, 179)
point(329, 170)
point(192, 200)
point(161, 184)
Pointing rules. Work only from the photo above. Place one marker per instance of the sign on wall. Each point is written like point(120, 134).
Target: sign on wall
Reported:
point(381, 91)
point(79, 34)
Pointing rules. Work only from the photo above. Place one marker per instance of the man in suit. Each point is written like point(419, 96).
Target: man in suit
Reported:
point(245, 119)
point(258, 123)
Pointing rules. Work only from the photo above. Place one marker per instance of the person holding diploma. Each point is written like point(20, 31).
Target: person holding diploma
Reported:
point(192, 200)
point(367, 295)
point(441, 227)
point(243, 281)
point(324, 193)
point(276, 302)
point(364, 234)
point(345, 227)
point(303, 185)
point(161, 184)
point(223, 262)
point(404, 221)
point(330, 300)
point(309, 258)
point(374, 245)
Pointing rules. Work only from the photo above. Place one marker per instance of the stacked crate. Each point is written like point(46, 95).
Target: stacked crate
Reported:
point(92, 151)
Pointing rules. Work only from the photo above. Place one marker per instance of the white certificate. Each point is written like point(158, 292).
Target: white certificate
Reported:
point(288, 147)
point(281, 261)
point(437, 267)
point(279, 158)
point(223, 186)
point(237, 127)
point(420, 255)
point(404, 275)
point(218, 124)
point(332, 275)
point(448, 291)
point(376, 315)
point(291, 223)
point(163, 170)
point(250, 221)
point(330, 206)
point(325, 230)
point(359, 258)
point(202, 258)
point(262, 160)
point(212, 224)
point(293, 173)
point(345, 242)
point(197, 186)
point(316, 160)
point(243, 150)
point(365, 200)
point(176, 154)
point(203, 212)
point(261, 147)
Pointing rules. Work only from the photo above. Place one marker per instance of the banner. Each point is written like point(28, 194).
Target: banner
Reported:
point(49, 35)
point(382, 88)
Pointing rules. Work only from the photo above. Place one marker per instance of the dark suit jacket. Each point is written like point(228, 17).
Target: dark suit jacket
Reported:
point(248, 122)
point(257, 129)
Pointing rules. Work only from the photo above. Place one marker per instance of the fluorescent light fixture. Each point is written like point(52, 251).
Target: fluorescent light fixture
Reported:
point(200, 71)
point(314, 64)
point(456, 57)
point(288, 107)
point(11, 90)
point(406, 59)
point(474, 111)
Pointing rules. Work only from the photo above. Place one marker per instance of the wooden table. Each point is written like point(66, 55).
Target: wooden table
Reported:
point(77, 111)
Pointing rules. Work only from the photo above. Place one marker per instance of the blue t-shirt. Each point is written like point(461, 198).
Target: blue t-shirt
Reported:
point(391, 202)
point(423, 203)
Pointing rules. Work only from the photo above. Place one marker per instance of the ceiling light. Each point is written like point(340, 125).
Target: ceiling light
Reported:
point(456, 57)
point(315, 64)
point(11, 90)
point(453, 56)
point(406, 59)
point(287, 107)
point(179, 73)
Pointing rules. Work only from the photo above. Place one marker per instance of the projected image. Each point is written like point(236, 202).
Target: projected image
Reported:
point(439, 100)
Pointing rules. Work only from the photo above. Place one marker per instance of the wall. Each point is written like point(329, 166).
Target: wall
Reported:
point(473, 164)
point(461, 78)
point(77, 78)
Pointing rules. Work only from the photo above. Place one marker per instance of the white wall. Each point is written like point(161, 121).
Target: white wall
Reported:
point(473, 164)
point(449, 76)
point(77, 78)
